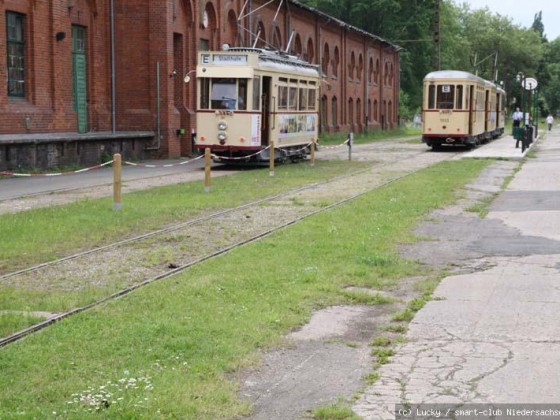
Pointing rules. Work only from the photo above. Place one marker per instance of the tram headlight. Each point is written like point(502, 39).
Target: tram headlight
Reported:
point(222, 125)
point(222, 136)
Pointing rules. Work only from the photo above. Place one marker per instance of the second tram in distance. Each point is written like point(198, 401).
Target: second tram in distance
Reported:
point(460, 108)
point(250, 97)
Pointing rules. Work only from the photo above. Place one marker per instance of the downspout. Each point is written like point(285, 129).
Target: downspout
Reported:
point(113, 72)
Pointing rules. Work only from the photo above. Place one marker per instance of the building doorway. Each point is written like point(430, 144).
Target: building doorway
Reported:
point(79, 72)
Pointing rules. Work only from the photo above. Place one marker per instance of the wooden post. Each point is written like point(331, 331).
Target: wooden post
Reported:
point(313, 152)
point(117, 181)
point(207, 162)
point(271, 155)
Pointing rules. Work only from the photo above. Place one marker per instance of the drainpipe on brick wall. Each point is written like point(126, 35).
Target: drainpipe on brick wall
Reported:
point(113, 72)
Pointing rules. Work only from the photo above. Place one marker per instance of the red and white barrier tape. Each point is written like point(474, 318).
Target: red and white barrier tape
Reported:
point(9, 173)
point(167, 165)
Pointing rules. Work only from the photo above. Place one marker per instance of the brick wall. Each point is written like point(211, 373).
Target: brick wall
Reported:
point(169, 32)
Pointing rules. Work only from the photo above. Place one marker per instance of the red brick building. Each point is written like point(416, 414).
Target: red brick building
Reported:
point(87, 78)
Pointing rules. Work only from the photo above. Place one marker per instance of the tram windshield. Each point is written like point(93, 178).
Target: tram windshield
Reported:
point(223, 93)
point(445, 97)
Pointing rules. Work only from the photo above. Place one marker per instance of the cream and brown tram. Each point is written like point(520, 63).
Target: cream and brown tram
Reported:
point(249, 98)
point(460, 108)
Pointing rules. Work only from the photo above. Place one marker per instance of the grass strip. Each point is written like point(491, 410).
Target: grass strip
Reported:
point(40, 235)
point(169, 350)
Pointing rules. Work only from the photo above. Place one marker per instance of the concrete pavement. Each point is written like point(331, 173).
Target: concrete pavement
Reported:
point(492, 336)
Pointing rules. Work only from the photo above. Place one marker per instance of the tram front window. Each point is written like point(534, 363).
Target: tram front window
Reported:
point(229, 94)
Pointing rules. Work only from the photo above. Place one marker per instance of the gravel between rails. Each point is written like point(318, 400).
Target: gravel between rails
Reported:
point(132, 263)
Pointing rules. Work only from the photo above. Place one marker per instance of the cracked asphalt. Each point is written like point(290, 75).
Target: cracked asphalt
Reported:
point(492, 335)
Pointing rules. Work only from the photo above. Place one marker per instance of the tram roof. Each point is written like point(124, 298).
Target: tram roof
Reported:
point(452, 74)
point(277, 59)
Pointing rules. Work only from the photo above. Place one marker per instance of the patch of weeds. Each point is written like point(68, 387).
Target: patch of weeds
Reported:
point(337, 411)
point(481, 207)
point(381, 342)
point(372, 378)
point(396, 328)
point(382, 354)
point(364, 298)
point(413, 306)
point(379, 260)
point(296, 201)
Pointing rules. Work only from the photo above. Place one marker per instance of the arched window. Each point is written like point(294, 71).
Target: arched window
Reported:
point(297, 49)
point(232, 29)
point(261, 43)
point(326, 59)
point(351, 111)
point(351, 66)
point(335, 62)
point(359, 111)
point(360, 68)
point(386, 74)
point(390, 113)
point(277, 39)
point(334, 111)
point(370, 71)
point(324, 114)
point(376, 72)
point(309, 55)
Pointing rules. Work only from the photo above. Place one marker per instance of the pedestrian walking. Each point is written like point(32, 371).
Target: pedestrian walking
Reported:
point(550, 121)
point(517, 117)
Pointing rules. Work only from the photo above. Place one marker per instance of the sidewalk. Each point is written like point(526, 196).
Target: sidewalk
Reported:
point(502, 148)
point(492, 336)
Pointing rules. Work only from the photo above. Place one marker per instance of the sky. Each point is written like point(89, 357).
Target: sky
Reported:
point(522, 12)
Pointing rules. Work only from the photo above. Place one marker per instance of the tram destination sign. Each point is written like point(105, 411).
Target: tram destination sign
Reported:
point(224, 59)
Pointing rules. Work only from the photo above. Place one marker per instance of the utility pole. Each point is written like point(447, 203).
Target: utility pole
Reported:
point(437, 48)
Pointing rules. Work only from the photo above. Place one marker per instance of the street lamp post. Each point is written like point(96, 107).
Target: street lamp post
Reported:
point(521, 79)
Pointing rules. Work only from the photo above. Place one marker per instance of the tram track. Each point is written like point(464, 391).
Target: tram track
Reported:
point(123, 262)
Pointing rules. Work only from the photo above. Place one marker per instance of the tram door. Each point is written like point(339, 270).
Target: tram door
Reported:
point(265, 110)
point(472, 108)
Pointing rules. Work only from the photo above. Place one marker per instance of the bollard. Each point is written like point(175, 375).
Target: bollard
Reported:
point(313, 152)
point(207, 162)
point(350, 141)
point(117, 181)
point(271, 157)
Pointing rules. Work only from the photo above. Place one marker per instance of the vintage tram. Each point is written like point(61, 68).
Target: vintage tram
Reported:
point(460, 108)
point(249, 98)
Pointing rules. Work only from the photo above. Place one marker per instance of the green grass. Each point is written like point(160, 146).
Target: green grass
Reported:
point(336, 411)
point(363, 138)
point(43, 234)
point(168, 350)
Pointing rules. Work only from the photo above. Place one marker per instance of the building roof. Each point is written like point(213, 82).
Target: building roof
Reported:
point(345, 25)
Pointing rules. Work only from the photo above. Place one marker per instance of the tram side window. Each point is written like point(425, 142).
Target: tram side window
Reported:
point(256, 93)
point(445, 95)
point(459, 97)
point(283, 94)
point(204, 90)
point(292, 101)
point(302, 103)
point(431, 97)
point(242, 94)
point(311, 99)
